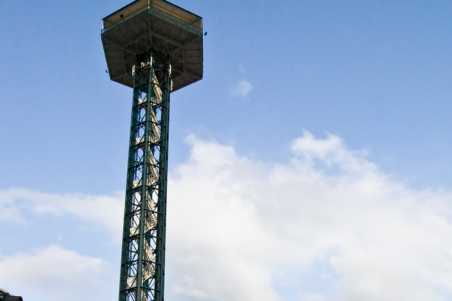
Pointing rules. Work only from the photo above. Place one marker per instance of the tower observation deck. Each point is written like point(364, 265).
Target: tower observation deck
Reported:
point(154, 47)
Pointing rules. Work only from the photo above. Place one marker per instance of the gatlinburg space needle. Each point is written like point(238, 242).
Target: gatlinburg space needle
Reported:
point(156, 48)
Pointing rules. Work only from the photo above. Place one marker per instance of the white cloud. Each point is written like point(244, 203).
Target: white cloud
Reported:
point(237, 227)
point(241, 229)
point(56, 274)
point(242, 89)
point(106, 211)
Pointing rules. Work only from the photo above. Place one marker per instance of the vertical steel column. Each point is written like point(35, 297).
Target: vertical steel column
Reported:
point(143, 247)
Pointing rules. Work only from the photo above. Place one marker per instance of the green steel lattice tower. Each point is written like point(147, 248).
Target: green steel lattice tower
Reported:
point(155, 48)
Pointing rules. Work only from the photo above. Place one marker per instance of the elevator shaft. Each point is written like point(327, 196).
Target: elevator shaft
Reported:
point(143, 245)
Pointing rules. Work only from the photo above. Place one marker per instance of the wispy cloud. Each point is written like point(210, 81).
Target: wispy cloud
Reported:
point(105, 211)
point(55, 273)
point(242, 88)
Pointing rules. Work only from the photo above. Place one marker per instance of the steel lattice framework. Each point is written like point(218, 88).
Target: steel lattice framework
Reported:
point(156, 48)
point(143, 246)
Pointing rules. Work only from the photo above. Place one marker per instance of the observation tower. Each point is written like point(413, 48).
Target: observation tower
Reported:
point(156, 48)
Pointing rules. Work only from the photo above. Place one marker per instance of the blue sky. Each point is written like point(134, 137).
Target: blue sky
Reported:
point(333, 102)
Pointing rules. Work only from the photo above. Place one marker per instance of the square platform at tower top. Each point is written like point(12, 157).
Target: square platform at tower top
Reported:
point(159, 25)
